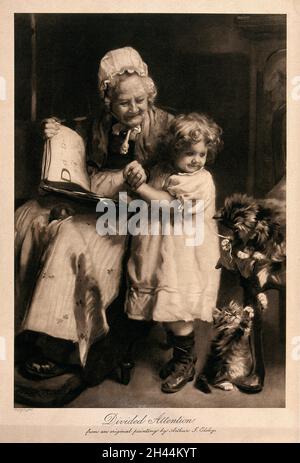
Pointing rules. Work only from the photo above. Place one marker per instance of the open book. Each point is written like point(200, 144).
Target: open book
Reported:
point(64, 166)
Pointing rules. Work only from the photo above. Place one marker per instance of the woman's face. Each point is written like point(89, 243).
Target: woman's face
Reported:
point(130, 101)
point(193, 158)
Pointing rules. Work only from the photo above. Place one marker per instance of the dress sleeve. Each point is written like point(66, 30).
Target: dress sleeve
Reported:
point(193, 191)
point(108, 183)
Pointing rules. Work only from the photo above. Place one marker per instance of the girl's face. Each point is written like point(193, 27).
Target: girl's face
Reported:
point(130, 101)
point(192, 159)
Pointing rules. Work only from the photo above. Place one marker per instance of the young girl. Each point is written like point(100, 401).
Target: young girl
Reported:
point(169, 281)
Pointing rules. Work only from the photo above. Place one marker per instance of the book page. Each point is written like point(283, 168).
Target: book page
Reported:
point(64, 159)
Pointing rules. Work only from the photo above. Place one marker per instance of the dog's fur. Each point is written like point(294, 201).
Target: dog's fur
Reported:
point(255, 245)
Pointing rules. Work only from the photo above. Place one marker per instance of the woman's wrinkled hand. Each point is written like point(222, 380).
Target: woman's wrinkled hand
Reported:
point(50, 127)
point(134, 174)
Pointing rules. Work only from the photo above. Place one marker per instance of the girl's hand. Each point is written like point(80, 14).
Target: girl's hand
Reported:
point(134, 174)
point(50, 127)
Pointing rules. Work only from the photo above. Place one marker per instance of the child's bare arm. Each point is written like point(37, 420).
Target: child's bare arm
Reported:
point(148, 193)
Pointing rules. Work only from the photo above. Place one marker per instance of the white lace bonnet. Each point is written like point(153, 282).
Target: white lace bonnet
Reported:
point(117, 62)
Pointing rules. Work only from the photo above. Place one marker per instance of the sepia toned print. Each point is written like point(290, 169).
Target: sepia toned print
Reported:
point(131, 317)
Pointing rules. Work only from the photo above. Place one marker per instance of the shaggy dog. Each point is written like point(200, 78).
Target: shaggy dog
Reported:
point(253, 244)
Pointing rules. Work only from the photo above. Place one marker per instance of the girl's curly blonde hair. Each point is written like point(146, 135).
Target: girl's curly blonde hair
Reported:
point(188, 129)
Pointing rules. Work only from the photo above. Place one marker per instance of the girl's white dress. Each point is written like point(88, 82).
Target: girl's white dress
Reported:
point(169, 280)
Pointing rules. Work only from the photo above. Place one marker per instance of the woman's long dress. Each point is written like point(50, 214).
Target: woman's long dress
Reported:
point(66, 274)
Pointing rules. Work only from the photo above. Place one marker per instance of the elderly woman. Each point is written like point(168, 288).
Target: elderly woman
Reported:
point(66, 274)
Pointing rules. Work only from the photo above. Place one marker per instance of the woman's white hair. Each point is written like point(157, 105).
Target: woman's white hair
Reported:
point(111, 88)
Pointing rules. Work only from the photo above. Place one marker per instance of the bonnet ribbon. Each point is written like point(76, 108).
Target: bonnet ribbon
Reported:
point(130, 135)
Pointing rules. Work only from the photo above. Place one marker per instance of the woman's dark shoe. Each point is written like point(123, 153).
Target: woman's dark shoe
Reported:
point(125, 372)
point(42, 368)
point(122, 372)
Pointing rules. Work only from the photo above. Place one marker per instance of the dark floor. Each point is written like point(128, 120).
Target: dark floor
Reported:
point(144, 388)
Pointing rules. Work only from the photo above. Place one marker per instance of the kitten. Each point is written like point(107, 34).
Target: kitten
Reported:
point(230, 358)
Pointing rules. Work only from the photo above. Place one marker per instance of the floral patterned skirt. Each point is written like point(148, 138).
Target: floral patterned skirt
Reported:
point(66, 274)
